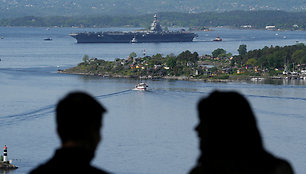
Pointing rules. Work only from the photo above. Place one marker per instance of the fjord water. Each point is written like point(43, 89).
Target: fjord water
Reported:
point(143, 132)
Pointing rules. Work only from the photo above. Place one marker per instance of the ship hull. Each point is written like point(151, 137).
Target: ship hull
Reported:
point(138, 37)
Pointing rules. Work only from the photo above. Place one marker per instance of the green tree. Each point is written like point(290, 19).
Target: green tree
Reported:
point(184, 56)
point(85, 58)
point(157, 56)
point(251, 61)
point(133, 54)
point(242, 50)
point(229, 55)
point(195, 57)
point(171, 62)
point(171, 55)
point(299, 56)
point(219, 52)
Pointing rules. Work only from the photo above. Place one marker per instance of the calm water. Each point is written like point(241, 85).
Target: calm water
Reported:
point(144, 132)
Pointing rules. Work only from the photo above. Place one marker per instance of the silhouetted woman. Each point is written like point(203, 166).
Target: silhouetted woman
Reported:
point(230, 142)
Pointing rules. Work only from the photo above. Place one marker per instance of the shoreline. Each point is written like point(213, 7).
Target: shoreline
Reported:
point(185, 78)
point(220, 67)
point(150, 77)
point(210, 28)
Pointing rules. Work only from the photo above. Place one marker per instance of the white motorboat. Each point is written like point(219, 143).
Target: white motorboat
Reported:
point(48, 39)
point(141, 86)
point(218, 39)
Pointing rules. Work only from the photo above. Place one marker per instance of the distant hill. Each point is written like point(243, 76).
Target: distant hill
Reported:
point(20, 8)
point(236, 19)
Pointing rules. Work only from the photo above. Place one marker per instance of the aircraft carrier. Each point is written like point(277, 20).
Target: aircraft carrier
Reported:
point(155, 34)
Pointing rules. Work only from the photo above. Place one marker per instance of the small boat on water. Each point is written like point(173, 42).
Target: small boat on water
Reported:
point(218, 39)
point(257, 79)
point(48, 39)
point(141, 86)
point(134, 40)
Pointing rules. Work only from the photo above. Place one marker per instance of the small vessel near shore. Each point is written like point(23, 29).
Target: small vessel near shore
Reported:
point(257, 79)
point(141, 86)
point(134, 40)
point(218, 39)
point(48, 39)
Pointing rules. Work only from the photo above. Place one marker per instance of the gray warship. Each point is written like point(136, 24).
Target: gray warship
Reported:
point(155, 34)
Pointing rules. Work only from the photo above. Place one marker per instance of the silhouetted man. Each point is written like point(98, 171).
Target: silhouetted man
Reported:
point(79, 120)
point(230, 142)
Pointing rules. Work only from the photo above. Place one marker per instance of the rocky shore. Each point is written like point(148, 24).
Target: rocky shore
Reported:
point(191, 78)
point(7, 166)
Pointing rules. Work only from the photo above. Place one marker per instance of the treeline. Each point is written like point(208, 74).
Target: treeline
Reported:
point(269, 61)
point(274, 57)
point(155, 66)
point(19, 8)
point(257, 19)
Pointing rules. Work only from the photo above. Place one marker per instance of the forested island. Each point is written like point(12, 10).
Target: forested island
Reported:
point(269, 62)
point(19, 8)
point(237, 19)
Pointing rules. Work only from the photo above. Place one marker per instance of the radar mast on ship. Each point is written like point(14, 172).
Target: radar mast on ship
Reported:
point(155, 26)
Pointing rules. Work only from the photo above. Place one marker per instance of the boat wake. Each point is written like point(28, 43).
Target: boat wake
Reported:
point(44, 111)
point(278, 114)
point(113, 94)
point(15, 118)
point(277, 97)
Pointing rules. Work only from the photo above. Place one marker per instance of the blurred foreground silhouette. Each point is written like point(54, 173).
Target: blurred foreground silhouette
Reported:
point(79, 120)
point(230, 141)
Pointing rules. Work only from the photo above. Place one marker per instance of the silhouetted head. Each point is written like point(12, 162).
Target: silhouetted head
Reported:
point(227, 126)
point(79, 119)
point(229, 139)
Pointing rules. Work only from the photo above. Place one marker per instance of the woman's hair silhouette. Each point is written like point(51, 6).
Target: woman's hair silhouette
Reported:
point(230, 141)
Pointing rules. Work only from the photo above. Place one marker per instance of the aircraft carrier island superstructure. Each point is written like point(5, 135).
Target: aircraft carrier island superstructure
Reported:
point(155, 34)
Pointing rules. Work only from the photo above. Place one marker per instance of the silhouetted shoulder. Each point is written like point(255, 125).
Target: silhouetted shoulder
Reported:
point(283, 168)
point(230, 141)
point(79, 119)
point(197, 170)
point(46, 169)
point(69, 160)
